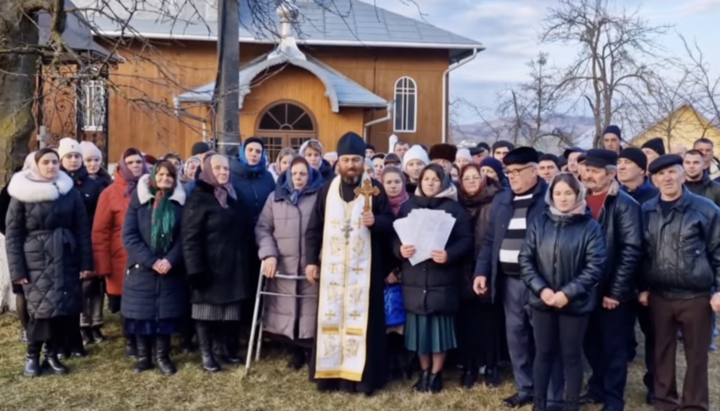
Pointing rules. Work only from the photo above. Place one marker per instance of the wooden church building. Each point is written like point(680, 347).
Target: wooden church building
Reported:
point(307, 70)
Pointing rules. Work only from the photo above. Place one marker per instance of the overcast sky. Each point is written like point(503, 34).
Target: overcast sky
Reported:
point(509, 30)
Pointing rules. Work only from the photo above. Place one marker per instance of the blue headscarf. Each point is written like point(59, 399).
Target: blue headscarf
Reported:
point(262, 165)
point(314, 183)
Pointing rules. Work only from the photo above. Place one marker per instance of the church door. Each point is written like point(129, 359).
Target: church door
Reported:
point(283, 125)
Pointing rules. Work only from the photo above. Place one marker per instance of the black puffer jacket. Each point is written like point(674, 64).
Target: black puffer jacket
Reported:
point(621, 222)
point(428, 287)
point(214, 249)
point(88, 188)
point(148, 295)
point(564, 253)
point(48, 244)
point(683, 247)
point(705, 187)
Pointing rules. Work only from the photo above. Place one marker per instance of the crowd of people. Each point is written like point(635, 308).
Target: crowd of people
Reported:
point(551, 258)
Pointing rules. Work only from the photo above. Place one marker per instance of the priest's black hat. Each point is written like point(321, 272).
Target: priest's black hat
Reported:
point(599, 157)
point(351, 144)
point(521, 155)
point(443, 152)
point(655, 144)
point(665, 161)
point(571, 150)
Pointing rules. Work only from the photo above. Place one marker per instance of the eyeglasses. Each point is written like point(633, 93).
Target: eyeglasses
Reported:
point(516, 172)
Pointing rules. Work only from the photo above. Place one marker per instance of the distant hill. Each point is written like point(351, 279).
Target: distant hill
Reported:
point(576, 126)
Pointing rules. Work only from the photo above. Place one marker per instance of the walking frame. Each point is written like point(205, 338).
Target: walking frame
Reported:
point(257, 321)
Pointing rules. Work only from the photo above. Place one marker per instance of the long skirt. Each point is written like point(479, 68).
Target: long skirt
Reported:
point(212, 312)
point(430, 334)
point(480, 333)
point(50, 329)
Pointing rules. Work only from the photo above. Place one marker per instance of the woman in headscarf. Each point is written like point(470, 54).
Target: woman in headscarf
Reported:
point(431, 289)
point(480, 323)
point(215, 253)
point(91, 319)
point(110, 255)
point(154, 292)
point(281, 164)
point(393, 180)
point(92, 156)
point(280, 235)
point(313, 152)
point(562, 261)
point(49, 253)
point(369, 169)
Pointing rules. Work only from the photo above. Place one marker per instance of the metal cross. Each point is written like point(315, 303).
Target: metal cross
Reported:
point(347, 229)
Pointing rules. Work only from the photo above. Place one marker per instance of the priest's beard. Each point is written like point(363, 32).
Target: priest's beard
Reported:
point(350, 175)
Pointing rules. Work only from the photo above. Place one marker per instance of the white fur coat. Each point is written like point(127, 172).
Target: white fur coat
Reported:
point(28, 191)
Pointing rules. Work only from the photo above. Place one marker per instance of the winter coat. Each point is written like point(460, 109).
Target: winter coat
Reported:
point(88, 188)
point(706, 187)
point(643, 193)
point(252, 187)
point(214, 248)
point(148, 295)
point(103, 178)
point(683, 247)
point(564, 253)
point(108, 249)
point(502, 208)
point(48, 244)
point(430, 288)
point(326, 170)
point(280, 233)
point(621, 222)
point(4, 205)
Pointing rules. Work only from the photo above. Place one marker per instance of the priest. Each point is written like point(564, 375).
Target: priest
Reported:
point(344, 253)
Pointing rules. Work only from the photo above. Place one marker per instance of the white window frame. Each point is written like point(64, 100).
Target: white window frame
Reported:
point(92, 122)
point(404, 87)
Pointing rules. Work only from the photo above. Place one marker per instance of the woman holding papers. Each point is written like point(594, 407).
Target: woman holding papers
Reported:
point(431, 288)
point(561, 263)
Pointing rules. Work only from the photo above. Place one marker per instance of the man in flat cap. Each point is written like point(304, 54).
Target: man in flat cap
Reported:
point(347, 228)
point(605, 342)
point(479, 152)
point(497, 270)
point(682, 244)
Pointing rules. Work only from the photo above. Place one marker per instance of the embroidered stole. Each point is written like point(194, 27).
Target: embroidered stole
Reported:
point(344, 289)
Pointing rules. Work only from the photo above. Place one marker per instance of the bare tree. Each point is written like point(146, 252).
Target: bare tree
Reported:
point(705, 86)
point(617, 50)
point(488, 129)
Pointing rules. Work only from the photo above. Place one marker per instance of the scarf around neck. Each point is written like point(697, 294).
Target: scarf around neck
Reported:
point(397, 202)
point(221, 191)
point(163, 215)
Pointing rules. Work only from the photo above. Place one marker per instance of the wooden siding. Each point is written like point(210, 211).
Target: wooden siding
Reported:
point(682, 127)
point(141, 106)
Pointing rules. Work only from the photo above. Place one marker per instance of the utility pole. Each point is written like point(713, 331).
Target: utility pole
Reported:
point(226, 99)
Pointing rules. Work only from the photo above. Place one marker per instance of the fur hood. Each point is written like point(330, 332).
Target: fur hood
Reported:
point(143, 191)
point(28, 191)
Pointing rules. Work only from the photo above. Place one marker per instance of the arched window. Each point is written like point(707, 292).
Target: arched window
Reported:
point(405, 105)
point(285, 125)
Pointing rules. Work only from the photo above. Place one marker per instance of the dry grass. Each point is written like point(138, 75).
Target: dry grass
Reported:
point(105, 381)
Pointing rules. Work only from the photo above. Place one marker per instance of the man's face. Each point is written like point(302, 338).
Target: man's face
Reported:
point(670, 181)
point(628, 171)
point(706, 150)
point(573, 163)
point(611, 142)
point(694, 165)
point(598, 179)
point(401, 149)
point(548, 170)
point(478, 158)
point(522, 177)
point(446, 165)
point(500, 153)
point(369, 152)
point(351, 167)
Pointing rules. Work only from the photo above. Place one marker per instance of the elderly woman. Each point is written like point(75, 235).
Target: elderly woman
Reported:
point(280, 234)
point(48, 248)
point(215, 253)
point(154, 295)
point(280, 166)
point(431, 289)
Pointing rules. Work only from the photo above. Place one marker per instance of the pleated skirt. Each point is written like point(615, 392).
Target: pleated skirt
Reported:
point(430, 334)
point(213, 312)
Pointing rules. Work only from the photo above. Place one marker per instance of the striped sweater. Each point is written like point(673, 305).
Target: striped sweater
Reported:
point(515, 236)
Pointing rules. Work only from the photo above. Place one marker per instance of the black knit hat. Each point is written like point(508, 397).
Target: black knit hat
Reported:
point(612, 129)
point(369, 147)
point(351, 144)
point(200, 147)
point(665, 161)
point(571, 150)
point(443, 152)
point(635, 155)
point(655, 144)
point(598, 157)
point(521, 155)
point(493, 163)
point(550, 157)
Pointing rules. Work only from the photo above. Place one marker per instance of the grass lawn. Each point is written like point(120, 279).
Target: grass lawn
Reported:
point(105, 381)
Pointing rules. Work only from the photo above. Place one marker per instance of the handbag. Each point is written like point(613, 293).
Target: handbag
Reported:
point(394, 306)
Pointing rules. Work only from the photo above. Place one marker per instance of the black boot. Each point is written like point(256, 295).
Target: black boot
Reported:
point(492, 377)
point(435, 383)
point(96, 334)
point(205, 344)
point(469, 377)
point(130, 347)
point(540, 403)
point(422, 383)
point(162, 355)
point(571, 404)
point(86, 335)
point(298, 358)
point(231, 340)
point(144, 361)
point(32, 360)
point(52, 363)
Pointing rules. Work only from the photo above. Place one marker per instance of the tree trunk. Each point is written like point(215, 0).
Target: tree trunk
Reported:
point(17, 85)
point(228, 110)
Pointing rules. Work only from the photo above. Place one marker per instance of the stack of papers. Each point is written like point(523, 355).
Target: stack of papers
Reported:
point(426, 230)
